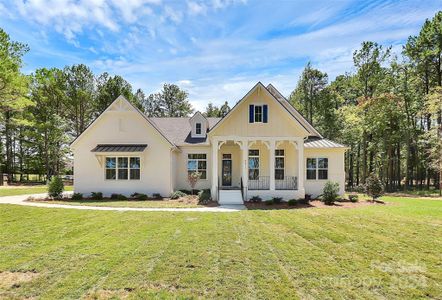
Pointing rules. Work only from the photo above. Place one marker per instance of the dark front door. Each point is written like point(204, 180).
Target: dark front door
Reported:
point(227, 172)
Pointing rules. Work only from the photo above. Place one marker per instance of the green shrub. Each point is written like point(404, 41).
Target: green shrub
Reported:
point(277, 200)
point(269, 202)
point(374, 187)
point(305, 200)
point(55, 187)
point(141, 196)
point(114, 196)
point(177, 195)
point(121, 197)
point(77, 196)
point(292, 202)
point(97, 195)
point(187, 192)
point(353, 198)
point(157, 196)
point(330, 192)
point(204, 196)
point(255, 199)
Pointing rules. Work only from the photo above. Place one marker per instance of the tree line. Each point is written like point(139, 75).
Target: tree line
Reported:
point(388, 111)
point(41, 113)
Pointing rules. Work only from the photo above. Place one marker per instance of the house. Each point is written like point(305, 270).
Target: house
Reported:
point(262, 147)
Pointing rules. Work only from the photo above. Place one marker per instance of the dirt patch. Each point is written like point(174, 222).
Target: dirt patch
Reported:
point(15, 279)
point(311, 204)
point(108, 294)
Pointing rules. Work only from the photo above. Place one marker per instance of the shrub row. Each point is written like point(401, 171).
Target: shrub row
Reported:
point(114, 196)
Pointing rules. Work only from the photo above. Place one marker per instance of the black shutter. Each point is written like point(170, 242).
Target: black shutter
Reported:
point(251, 113)
point(265, 114)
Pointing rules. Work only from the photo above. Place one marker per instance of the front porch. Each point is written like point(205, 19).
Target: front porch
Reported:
point(261, 166)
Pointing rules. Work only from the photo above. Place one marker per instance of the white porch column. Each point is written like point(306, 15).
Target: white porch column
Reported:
point(272, 164)
point(245, 162)
point(301, 166)
point(214, 190)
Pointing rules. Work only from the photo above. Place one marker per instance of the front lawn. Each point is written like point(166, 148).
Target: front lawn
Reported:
point(379, 251)
point(24, 190)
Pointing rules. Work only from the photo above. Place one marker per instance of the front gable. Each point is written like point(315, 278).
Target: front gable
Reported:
point(270, 119)
point(121, 122)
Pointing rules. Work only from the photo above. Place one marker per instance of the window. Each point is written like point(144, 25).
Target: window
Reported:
point(198, 128)
point(253, 164)
point(258, 113)
point(317, 168)
point(122, 168)
point(279, 164)
point(134, 168)
point(111, 168)
point(197, 163)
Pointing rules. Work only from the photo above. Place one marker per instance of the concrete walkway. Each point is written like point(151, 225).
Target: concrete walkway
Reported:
point(21, 200)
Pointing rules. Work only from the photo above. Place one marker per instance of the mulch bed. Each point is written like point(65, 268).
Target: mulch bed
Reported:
point(311, 204)
point(186, 200)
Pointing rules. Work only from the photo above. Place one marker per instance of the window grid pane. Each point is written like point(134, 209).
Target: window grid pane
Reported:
point(197, 163)
point(122, 168)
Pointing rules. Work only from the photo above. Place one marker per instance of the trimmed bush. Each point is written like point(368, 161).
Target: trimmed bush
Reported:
point(187, 192)
point(269, 202)
point(157, 196)
point(353, 198)
point(374, 187)
point(97, 195)
point(77, 196)
point(277, 200)
point(121, 197)
point(292, 202)
point(55, 187)
point(255, 199)
point(177, 194)
point(141, 196)
point(304, 200)
point(114, 196)
point(330, 193)
point(204, 196)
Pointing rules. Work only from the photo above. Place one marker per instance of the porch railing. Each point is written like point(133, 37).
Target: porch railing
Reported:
point(260, 183)
point(287, 183)
point(263, 183)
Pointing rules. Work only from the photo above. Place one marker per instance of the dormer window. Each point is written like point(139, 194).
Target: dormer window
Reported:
point(198, 128)
point(258, 113)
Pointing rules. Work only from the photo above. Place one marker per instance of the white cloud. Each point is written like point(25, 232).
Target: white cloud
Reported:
point(195, 8)
point(172, 14)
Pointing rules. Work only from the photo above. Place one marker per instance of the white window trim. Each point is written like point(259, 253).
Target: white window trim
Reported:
point(262, 113)
point(283, 157)
point(198, 159)
point(116, 167)
point(317, 168)
point(259, 163)
point(196, 128)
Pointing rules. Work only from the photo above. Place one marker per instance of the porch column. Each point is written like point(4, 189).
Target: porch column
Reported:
point(214, 190)
point(301, 165)
point(272, 164)
point(245, 162)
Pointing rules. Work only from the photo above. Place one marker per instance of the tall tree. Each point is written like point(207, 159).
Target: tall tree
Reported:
point(306, 95)
point(80, 92)
point(13, 98)
point(49, 134)
point(109, 88)
point(211, 111)
point(172, 101)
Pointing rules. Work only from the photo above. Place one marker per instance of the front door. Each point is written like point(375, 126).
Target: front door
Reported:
point(227, 170)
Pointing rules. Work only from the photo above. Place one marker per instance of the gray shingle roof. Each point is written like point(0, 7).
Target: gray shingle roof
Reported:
point(119, 148)
point(178, 130)
point(321, 143)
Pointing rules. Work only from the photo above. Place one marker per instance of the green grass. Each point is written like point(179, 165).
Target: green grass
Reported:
point(37, 189)
point(381, 251)
point(127, 203)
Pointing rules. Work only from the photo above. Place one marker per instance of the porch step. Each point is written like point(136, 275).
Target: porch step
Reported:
point(230, 197)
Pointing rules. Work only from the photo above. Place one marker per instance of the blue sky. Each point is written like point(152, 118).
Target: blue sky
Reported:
point(217, 49)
